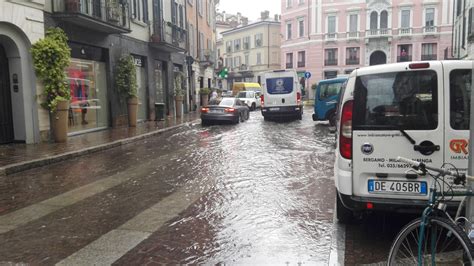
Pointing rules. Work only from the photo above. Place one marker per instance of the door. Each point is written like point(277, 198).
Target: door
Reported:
point(396, 112)
point(378, 58)
point(6, 119)
point(280, 88)
point(458, 82)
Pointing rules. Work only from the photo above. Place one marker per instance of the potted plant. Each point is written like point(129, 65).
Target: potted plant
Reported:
point(126, 84)
point(178, 93)
point(204, 92)
point(51, 57)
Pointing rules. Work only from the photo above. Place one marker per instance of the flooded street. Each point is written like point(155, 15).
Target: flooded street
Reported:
point(257, 192)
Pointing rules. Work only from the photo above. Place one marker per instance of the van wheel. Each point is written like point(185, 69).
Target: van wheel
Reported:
point(332, 119)
point(344, 215)
point(253, 107)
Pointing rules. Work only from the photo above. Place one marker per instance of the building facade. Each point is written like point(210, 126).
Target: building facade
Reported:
point(329, 38)
point(463, 35)
point(99, 32)
point(247, 51)
point(201, 19)
point(21, 116)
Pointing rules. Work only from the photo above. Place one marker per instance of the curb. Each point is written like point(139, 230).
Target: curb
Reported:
point(27, 165)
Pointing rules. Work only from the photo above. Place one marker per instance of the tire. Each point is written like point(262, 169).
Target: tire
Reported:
point(204, 123)
point(343, 214)
point(300, 116)
point(458, 250)
point(253, 107)
point(332, 119)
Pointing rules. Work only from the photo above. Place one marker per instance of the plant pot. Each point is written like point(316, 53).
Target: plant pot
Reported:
point(179, 105)
point(132, 104)
point(204, 100)
point(59, 121)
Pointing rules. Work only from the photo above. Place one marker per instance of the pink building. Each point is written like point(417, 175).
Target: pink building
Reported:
point(333, 37)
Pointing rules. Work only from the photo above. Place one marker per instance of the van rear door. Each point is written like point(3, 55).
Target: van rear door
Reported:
point(280, 87)
point(398, 111)
point(458, 82)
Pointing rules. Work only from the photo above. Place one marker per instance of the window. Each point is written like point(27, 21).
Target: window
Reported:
point(330, 74)
point(237, 61)
point(352, 55)
point(259, 40)
point(458, 7)
point(383, 20)
point(247, 43)
point(302, 59)
point(329, 90)
point(283, 85)
point(429, 17)
point(237, 45)
point(374, 20)
point(246, 60)
point(404, 53)
point(353, 23)
point(460, 81)
point(288, 31)
point(331, 57)
point(228, 46)
point(289, 3)
point(259, 58)
point(428, 51)
point(145, 10)
point(301, 28)
point(332, 24)
point(289, 60)
point(199, 3)
point(191, 40)
point(405, 21)
point(398, 100)
point(470, 27)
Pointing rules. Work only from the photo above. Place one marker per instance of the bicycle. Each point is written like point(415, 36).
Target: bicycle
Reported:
point(435, 237)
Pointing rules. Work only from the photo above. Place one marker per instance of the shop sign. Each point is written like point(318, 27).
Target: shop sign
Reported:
point(138, 61)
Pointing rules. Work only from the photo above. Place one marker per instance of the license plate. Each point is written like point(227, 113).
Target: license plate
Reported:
point(216, 111)
point(397, 187)
point(274, 108)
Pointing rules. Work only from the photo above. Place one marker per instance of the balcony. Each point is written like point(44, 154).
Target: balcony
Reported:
point(352, 35)
point(352, 61)
point(426, 57)
point(430, 30)
point(330, 62)
point(301, 63)
point(405, 31)
point(107, 16)
point(289, 65)
point(405, 58)
point(377, 33)
point(168, 37)
point(207, 57)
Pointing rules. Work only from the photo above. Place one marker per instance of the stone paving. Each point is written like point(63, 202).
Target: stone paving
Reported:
point(12, 154)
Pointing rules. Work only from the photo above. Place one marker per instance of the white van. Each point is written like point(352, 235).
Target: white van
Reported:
point(417, 110)
point(281, 95)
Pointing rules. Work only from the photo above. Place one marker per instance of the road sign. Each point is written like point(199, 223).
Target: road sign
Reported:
point(307, 75)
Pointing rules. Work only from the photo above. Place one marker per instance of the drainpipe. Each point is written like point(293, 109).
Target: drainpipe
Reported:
point(268, 50)
point(470, 200)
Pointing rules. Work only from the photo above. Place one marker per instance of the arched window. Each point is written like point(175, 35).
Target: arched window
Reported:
point(373, 20)
point(383, 20)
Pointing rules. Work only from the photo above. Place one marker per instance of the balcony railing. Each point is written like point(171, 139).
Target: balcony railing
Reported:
point(352, 35)
point(301, 63)
point(169, 36)
point(405, 31)
point(425, 57)
point(207, 57)
point(352, 61)
point(289, 65)
point(330, 36)
point(404, 58)
point(108, 16)
point(430, 29)
point(330, 62)
point(378, 33)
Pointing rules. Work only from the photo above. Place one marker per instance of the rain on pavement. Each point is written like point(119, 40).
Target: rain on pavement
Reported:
point(253, 193)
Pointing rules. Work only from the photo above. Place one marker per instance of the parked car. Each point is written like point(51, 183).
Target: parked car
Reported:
point(281, 96)
point(326, 99)
point(227, 94)
point(417, 110)
point(250, 98)
point(227, 109)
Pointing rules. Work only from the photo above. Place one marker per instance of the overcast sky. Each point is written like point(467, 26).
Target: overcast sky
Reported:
point(250, 8)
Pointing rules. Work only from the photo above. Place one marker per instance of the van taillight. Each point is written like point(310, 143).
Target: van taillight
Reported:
point(262, 100)
point(298, 98)
point(345, 134)
point(419, 65)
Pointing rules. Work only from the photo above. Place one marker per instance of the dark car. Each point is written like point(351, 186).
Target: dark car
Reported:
point(227, 109)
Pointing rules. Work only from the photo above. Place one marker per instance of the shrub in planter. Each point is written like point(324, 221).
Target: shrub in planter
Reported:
point(204, 92)
point(178, 93)
point(51, 57)
point(126, 84)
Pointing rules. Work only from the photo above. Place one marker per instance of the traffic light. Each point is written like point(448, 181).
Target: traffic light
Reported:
point(223, 73)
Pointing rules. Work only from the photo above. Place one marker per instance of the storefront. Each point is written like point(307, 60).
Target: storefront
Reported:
point(87, 80)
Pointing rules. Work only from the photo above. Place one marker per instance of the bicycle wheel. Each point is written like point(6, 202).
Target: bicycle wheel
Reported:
point(444, 243)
